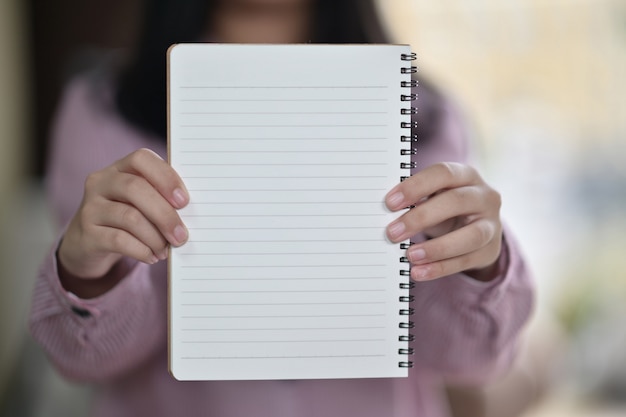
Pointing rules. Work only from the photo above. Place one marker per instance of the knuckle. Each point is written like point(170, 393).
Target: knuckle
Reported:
point(140, 154)
point(448, 170)
point(130, 215)
point(170, 177)
point(161, 246)
point(495, 248)
point(461, 195)
point(135, 159)
point(139, 157)
point(483, 233)
point(133, 184)
point(465, 263)
point(171, 220)
point(81, 227)
point(495, 199)
point(438, 269)
point(117, 241)
point(86, 213)
point(165, 221)
point(90, 211)
point(92, 180)
point(120, 242)
point(144, 254)
point(455, 170)
point(471, 172)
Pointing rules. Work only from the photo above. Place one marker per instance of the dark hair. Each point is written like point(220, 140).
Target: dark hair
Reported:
point(141, 89)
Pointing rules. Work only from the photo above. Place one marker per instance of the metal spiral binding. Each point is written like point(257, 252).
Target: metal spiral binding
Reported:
point(411, 139)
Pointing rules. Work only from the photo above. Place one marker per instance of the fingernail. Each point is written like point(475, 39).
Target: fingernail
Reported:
point(163, 254)
point(395, 230)
point(395, 200)
point(416, 255)
point(420, 273)
point(180, 197)
point(153, 259)
point(180, 234)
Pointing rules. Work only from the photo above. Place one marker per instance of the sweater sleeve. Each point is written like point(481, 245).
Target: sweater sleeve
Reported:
point(465, 329)
point(104, 337)
point(468, 330)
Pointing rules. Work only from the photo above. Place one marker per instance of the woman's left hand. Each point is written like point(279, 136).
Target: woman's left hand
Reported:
point(458, 212)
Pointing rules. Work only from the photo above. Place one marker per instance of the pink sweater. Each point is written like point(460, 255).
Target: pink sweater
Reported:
point(465, 329)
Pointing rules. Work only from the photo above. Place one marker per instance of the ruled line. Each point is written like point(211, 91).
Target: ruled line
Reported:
point(281, 87)
point(281, 266)
point(285, 112)
point(288, 304)
point(300, 151)
point(276, 202)
point(196, 253)
point(285, 99)
point(282, 341)
point(299, 316)
point(257, 139)
point(280, 328)
point(285, 279)
point(279, 357)
point(286, 178)
point(291, 189)
point(280, 126)
point(206, 216)
point(303, 240)
point(288, 164)
point(285, 228)
point(351, 290)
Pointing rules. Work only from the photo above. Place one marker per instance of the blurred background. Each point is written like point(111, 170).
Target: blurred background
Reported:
point(542, 85)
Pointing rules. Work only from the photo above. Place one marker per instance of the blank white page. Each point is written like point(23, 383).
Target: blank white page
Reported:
point(287, 152)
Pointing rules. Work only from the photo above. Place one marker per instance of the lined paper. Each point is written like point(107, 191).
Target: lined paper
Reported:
point(287, 152)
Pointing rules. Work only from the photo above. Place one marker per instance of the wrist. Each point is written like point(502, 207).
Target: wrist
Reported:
point(494, 270)
point(486, 274)
point(88, 287)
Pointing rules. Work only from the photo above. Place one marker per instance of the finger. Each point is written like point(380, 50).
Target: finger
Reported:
point(471, 238)
point(434, 259)
point(428, 181)
point(463, 263)
point(434, 270)
point(126, 217)
point(450, 204)
point(138, 192)
point(158, 173)
point(120, 241)
point(442, 228)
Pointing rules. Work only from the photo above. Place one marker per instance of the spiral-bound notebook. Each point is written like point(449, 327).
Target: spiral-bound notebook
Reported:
point(288, 152)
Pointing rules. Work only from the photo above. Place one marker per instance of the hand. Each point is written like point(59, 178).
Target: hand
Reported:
point(128, 210)
point(458, 212)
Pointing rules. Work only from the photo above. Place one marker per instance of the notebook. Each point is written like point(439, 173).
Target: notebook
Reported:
point(288, 152)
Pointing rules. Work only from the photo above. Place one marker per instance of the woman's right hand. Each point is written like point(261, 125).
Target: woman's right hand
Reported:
point(128, 210)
